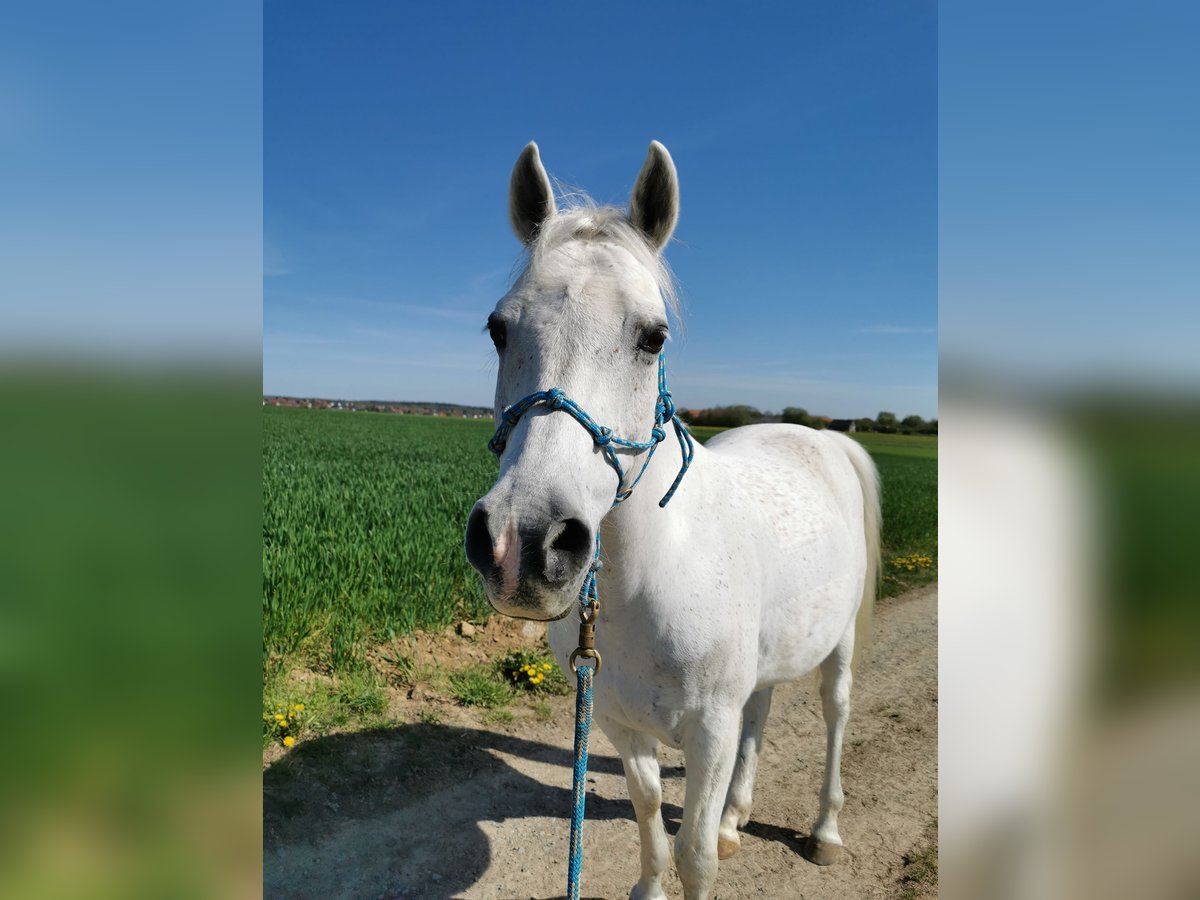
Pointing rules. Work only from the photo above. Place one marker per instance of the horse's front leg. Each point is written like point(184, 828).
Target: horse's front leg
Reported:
point(709, 753)
point(741, 787)
point(639, 753)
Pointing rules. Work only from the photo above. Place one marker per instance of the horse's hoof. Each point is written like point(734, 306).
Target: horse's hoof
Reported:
point(654, 892)
point(821, 853)
point(726, 847)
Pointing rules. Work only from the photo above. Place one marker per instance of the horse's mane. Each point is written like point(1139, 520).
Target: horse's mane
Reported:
point(579, 217)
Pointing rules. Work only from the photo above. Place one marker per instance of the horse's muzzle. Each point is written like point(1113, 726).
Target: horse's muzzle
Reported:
point(532, 565)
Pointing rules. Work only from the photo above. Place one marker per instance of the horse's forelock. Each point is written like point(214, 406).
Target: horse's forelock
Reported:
point(580, 218)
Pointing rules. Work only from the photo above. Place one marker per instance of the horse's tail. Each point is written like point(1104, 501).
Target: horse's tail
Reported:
point(868, 479)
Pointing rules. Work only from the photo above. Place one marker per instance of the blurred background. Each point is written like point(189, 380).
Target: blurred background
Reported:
point(1069, 471)
point(130, 561)
point(131, 264)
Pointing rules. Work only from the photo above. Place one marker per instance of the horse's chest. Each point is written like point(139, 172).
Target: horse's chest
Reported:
point(656, 678)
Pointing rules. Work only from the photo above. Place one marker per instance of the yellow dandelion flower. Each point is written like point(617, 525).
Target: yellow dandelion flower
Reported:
point(289, 741)
point(283, 724)
point(299, 707)
point(546, 666)
point(278, 717)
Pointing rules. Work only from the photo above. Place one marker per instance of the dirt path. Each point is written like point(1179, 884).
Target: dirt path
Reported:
point(430, 810)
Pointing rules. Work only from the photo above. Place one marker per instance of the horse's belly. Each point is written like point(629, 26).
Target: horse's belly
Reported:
point(809, 604)
point(798, 635)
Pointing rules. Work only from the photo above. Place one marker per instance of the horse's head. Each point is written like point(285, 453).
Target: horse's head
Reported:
point(588, 315)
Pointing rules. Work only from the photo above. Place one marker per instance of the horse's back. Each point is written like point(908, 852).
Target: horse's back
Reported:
point(807, 485)
point(793, 453)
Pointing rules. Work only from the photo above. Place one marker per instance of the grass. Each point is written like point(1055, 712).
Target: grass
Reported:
point(320, 706)
point(362, 529)
point(909, 517)
point(703, 432)
point(429, 717)
point(480, 686)
point(919, 877)
point(919, 446)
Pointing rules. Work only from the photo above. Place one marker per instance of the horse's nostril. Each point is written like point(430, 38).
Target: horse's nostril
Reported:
point(573, 538)
point(568, 548)
point(479, 541)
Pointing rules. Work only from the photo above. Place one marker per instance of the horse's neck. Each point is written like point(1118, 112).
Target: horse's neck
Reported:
point(638, 533)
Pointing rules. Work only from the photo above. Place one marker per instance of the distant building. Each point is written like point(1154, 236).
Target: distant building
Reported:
point(846, 425)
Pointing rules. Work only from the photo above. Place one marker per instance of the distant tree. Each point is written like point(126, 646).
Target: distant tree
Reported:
point(727, 416)
point(929, 427)
point(912, 424)
point(887, 423)
point(795, 415)
point(686, 416)
point(864, 424)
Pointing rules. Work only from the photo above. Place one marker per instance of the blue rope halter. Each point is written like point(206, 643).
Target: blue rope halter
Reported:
point(664, 411)
point(589, 601)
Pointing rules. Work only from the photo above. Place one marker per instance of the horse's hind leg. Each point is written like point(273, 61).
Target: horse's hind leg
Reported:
point(825, 844)
point(741, 788)
point(639, 754)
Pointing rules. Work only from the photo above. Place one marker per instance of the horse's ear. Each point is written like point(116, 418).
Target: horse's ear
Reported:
point(530, 197)
point(654, 204)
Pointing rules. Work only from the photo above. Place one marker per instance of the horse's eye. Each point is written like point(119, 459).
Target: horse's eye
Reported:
point(652, 339)
point(499, 332)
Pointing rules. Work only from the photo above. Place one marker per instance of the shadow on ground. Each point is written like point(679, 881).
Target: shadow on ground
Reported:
point(328, 783)
point(449, 778)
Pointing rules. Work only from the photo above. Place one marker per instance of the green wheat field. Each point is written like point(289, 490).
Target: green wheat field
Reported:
point(364, 514)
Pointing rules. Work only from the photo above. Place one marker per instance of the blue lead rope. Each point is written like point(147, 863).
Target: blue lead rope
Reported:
point(583, 727)
point(589, 601)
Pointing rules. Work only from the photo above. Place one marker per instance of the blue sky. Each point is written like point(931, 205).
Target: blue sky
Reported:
point(1069, 191)
point(130, 194)
point(805, 139)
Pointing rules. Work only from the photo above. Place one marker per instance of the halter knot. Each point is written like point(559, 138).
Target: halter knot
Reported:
point(555, 398)
point(668, 406)
point(496, 445)
point(603, 436)
point(657, 434)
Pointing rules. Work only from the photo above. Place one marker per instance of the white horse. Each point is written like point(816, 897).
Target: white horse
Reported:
point(751, 576)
